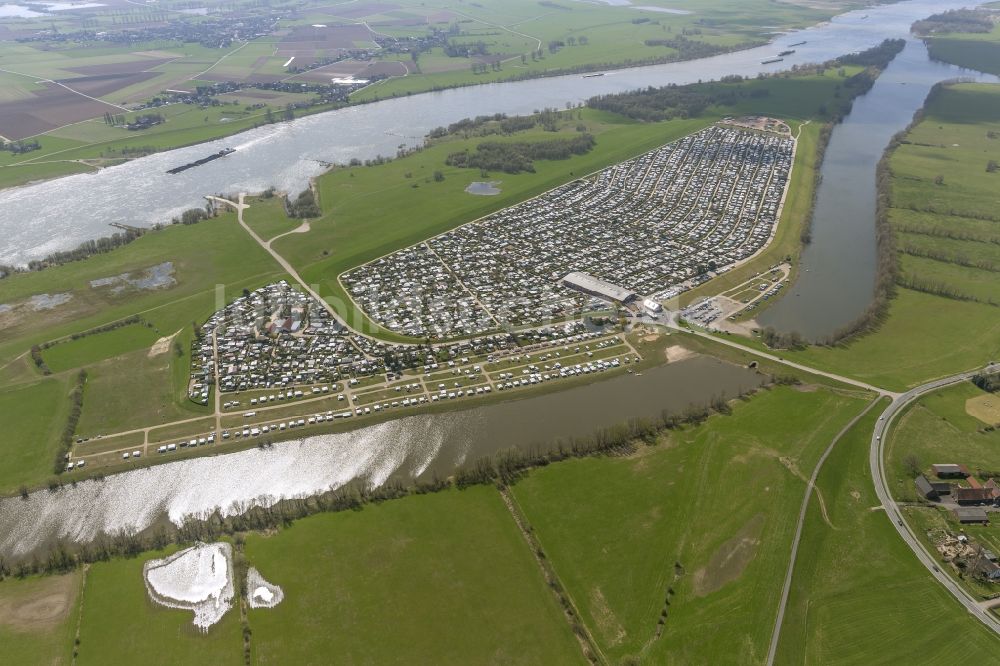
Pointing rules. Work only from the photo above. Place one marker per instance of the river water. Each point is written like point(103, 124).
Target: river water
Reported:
point(837, 277)
point(38, 219)
point(59, 214)
point(409, 448)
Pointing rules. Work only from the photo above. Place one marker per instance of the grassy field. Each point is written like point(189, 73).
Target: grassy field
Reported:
point(214, 252)
point(589, 36)
point(267, 217)
point(99, 346)
point(943, 212)
point(443, 578)
point(612, 529)
point(126, 387)
point(34, 416)
point(939, 429)
point(38, 618)
point(858, 593)
point(979, 51)
point(120, 624)
point(110, 403)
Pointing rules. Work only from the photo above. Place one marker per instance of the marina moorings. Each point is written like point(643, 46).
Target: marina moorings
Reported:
point(657, 225)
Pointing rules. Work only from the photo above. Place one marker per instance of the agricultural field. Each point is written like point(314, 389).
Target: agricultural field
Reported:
point(448, 572)
point(607, 525)
point(56, 88)
point(943, 210)
point(38, 618)
point(854, 574)
point(35, 414)
point(512, 39)
point(119, 624)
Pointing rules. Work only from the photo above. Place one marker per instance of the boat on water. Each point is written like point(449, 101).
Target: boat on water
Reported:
point(787, 53)
point(798, 43)
point(768, 61)
point(204, 160)
point(590, 76)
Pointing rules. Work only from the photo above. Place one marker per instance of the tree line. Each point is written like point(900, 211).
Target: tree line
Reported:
point(515, 157)
point(502, 468)
point(691, 100)
point(69, 431)
point(304, 205)
point(955, 20)
point(989, 382)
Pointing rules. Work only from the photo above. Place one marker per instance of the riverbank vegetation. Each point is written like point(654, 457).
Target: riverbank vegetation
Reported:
point(938, 244)
point(682, 582)
point(519, 156)
point(965, 37)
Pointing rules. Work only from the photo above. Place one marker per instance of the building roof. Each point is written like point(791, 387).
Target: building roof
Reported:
point(973, 494)
point(924, 486)
point(971, 514)
point(592, 285)
point(949, 468)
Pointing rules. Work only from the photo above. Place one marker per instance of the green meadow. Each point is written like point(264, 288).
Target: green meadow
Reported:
point(34, 415)
point(979, 51)
point(858, 593)
point(444, 578)
point(699, 526)
point(121, 625)
point(38, 619)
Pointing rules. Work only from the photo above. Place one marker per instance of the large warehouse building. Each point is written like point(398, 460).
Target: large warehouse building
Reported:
point(588, 284)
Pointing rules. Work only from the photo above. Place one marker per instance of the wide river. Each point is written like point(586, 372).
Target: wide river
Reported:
point(58, 214)
point(837, 286)
point(409, 448)
point(837, 280)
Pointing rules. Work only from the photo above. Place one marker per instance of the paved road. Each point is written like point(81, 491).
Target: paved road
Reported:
point(900, 401)
point(672, 324)
point(877, 462)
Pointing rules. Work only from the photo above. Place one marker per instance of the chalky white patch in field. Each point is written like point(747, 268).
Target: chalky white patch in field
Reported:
point(199, 578)
point(262, 593)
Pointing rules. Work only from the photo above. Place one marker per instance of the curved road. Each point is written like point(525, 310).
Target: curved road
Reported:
point(899, 402)
point(877, 463)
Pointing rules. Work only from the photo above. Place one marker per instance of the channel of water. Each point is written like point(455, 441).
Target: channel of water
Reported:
point(413, 447)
